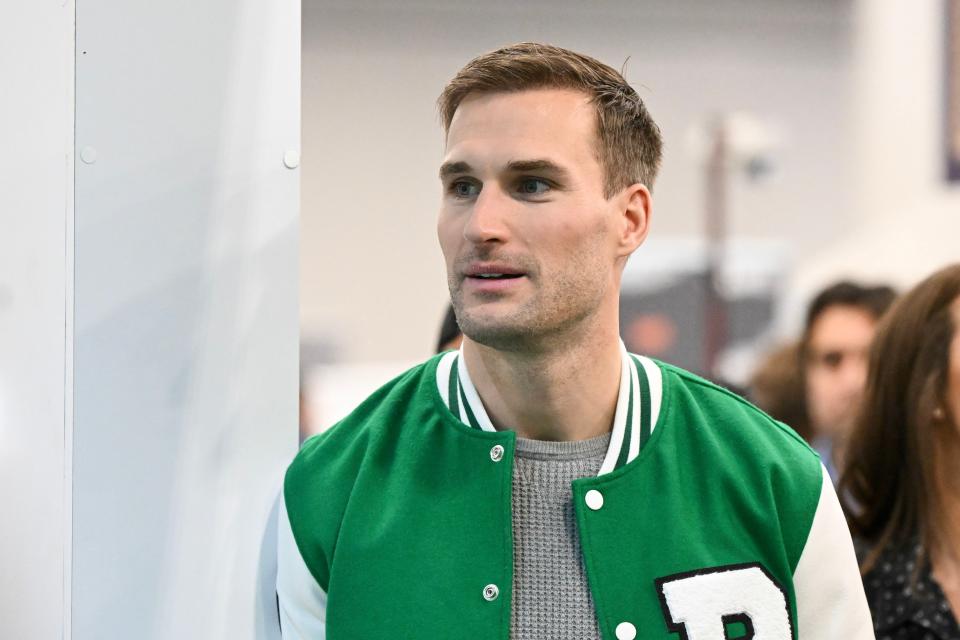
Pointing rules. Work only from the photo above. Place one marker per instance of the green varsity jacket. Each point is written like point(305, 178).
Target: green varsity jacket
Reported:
point(708, 520)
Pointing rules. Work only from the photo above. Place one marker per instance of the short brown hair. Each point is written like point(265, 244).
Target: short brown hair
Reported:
point(894, 486)
point(630, 146)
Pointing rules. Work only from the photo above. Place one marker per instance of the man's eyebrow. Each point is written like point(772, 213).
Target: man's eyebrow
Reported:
point(448, 169)
point(538, 165)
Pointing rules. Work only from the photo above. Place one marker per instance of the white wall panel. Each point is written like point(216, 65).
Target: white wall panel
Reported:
point(36, 190)
point(186, 312)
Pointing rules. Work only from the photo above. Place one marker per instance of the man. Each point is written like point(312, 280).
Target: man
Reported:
point(541, 482)
point(840, 324)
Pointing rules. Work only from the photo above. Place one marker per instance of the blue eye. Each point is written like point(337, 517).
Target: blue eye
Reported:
point(533, 186)
point(463, 189)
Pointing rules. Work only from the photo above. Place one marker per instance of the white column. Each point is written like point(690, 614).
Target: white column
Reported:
point(148, 314)
point(187, 126)
point(36, 192)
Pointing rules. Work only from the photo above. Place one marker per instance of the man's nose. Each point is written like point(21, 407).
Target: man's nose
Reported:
point(487, 221)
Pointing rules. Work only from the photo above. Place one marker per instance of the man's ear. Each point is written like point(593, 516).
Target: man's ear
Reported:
point(634, 206)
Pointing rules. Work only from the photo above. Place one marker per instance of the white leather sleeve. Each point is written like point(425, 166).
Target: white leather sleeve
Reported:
point(302, 603)
point(830, 600)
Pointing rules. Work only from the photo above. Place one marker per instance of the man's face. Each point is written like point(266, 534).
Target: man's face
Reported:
point(530, 241)
point(836, 367)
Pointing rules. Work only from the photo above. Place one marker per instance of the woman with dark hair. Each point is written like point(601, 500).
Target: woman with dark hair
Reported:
point(901, 488)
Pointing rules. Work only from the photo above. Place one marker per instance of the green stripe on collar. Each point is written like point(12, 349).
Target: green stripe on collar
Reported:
point(452, 387)
point(646, 407)
point(627, 429)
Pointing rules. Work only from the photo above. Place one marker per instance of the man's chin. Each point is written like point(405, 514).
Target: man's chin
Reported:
point(501, 335)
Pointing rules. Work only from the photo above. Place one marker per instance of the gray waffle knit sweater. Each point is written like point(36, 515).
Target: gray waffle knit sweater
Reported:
point(551, 598)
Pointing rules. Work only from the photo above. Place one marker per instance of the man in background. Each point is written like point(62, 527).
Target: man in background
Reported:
point(840, 324)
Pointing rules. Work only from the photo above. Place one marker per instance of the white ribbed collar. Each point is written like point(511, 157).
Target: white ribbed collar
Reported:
point(640, 399)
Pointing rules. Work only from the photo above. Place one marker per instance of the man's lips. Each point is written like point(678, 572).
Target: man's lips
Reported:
point(491, 271)
point(491, 277)
point(481, 285)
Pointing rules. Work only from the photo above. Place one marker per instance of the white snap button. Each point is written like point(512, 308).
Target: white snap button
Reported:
point(88, 155)
point(626, 631)
point(490, 592)
point(594, 499)
point(496, 454)
point(291, 159)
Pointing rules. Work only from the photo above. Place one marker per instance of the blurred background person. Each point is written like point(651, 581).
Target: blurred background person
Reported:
point(776, 386)
point(840, 325)
point(902, 487)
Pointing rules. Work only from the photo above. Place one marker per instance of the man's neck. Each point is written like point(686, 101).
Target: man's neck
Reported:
point(564, 393)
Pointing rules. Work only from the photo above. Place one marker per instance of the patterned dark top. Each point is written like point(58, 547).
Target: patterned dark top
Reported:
point(903, 610)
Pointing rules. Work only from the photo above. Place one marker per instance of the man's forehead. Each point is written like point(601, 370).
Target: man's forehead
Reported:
point(841, 324)
point(538, 118)
point(844, 313)
point(551, 107)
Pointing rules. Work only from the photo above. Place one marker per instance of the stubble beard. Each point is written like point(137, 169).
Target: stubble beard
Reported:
point(551, 316)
